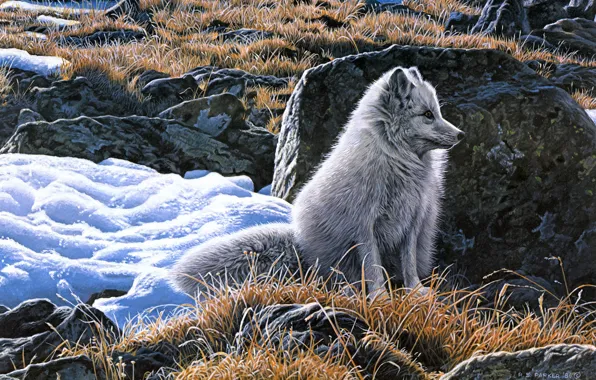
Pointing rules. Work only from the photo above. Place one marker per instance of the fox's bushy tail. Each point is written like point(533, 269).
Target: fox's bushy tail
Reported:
point(261, 249)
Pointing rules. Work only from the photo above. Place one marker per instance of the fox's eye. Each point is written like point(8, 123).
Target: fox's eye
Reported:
point(429, 115)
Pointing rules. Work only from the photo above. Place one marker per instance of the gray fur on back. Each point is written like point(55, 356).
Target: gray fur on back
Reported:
point(372, 204)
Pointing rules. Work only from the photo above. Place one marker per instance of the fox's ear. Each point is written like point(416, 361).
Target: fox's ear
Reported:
point(400, 83)
point(415, 73)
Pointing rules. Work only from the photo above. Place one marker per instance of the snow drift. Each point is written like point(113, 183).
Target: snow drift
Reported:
point(70, 228)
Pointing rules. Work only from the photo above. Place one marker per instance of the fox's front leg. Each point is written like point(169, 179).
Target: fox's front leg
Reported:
point(409, 263)
point(373, 270)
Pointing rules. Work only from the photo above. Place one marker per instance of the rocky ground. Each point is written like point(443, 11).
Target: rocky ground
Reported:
point(191, 85)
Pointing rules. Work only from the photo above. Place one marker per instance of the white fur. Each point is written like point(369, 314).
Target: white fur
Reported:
point(373, 203)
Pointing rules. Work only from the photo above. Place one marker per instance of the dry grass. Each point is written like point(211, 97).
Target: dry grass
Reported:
point(585, 99)
point(307, 33)
point(428, 334)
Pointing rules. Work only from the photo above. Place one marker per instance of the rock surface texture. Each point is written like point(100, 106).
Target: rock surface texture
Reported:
point(503, 17)
point(33, 330)
point(519, 188)
point(561, 361)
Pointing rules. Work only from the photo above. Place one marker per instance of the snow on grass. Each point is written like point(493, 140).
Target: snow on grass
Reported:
point(57, 6)
point(20, 59)
point(70, 228)
point(56, 22)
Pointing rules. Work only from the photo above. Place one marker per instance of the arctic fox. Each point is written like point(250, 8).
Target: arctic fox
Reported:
point(373, 203)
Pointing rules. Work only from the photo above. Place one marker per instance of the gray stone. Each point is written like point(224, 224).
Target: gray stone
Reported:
point(212, 115)
point(582, 8)
point(103, 38)
point(82, 96)
point(179, 88)
point(74, 325)
point(529, 150)
point(576, 35)
point(27, 116)
point(544, 12)
point(460, 22)
point(76, 367)
point(209, 73)
point(571, 77)
point(245, 36)
point(504, 18)
point(561, 361)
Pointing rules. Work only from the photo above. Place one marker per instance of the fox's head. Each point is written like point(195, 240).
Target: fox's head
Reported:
point(407, 113)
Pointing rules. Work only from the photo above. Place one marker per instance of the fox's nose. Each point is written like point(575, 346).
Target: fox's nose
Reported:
point(460, 136)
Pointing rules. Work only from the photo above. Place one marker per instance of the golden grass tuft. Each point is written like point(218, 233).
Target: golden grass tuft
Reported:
point(585, 99)
point(428, 334)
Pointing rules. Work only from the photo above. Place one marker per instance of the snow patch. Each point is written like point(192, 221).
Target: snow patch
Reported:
point(20, 59)
point(70, 228)
point(57, 22)
point(592, 114)
point(57, 6)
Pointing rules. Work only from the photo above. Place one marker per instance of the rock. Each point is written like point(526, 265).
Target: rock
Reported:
point(504, 18)
point(520, 293)
point(80, 96)
point(234, 86)
point(4, 309)
point(581, 8)
point(571, 77)
point(535, 42)
point(103, 38)
point(148, 76)
point(571, 36)
point(147, 360)
point(210, 73)
point(31, 317)
point(544, 12)
point(108, 293)
point(518, 189)
point(76, 325)
point(395, 7)
point(561, 361)
point(211, 115)
point(311, 327)
point(260, 117)
point(23, 81)
point(245, 36)
point(28, 116)
point(129, 8)
point(76, 367)
point(164, 145)
point(171, 89)
point(460, 22)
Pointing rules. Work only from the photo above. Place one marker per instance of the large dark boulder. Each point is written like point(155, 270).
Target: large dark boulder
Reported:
point(519, 188)
point(561, 361)
point(165, 145)
point(504, 18)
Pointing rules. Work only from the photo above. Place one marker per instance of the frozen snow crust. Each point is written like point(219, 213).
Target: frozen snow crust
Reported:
point(20, 59)
point(70, 228)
